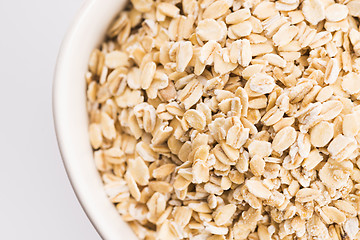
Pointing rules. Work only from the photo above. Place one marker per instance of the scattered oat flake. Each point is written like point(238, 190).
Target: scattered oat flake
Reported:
point(209, 29)
point(258, 189)
point(216, 9)
point(261, 83)
point(336, 12)
point(313, 11)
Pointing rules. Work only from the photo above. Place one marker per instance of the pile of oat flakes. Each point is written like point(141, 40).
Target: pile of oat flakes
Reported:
point(230, 119)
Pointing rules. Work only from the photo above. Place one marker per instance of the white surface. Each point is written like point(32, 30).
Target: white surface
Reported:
point(36, 199)
point(71, 120)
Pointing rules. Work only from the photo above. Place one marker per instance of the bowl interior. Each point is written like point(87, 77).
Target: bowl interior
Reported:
point(71, 119)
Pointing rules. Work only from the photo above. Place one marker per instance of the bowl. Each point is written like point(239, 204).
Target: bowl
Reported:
point(71, 119)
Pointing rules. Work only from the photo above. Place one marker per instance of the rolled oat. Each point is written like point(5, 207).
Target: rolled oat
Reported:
point(230, 119)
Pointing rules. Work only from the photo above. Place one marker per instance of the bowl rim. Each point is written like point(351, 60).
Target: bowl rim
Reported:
point(85, 32)
point(66, 42)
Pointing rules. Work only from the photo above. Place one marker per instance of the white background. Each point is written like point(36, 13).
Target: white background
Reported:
point(36, 199)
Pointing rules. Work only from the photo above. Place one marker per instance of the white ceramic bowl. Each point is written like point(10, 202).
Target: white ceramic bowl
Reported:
point(71, 119)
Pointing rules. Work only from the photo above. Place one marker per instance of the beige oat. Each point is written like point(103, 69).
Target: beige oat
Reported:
point(241, 29)
point(284, 138)
point(321, 134)
point(163, 171)
point(285, 35)
point(312, 160)
point(336, 12)
point(341, 147)
point(209, 29)
point(238, 16)
point(307, 195)
point(257, 165)
point(195, 119)
point(216, 9)
point(259, 148)
point(275, 60)
point(107, 126)
point(133, 188)
point(200, 172)
point(346, 207)
point(139, 171)
point(354, 8)
point(261, 83)
point(95, 135)
point(258, 189)
point(273, 116)
point(224, 214)
point(230, 119)
point(184, 55)
point(147, 75)
point(330, 109)
point(334, 214)
point(264, 10)
point(296, 16)
point(351, 83)
point(237, 136)
point(313, 11)
point(116, 59)
point(325, 94)
point(168, 9)
point(191, 93)
point(351, 125)
point(335, 175)
point(332, 71)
